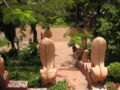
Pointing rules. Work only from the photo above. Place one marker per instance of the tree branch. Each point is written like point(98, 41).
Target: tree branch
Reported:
point(6, 3)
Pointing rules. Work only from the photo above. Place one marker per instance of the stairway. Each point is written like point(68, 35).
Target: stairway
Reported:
point(66, 69)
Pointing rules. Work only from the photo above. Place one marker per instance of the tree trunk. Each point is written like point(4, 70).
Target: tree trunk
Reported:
point(9, 31)
point(33, 26)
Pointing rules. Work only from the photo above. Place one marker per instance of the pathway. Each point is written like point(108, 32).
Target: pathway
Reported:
point(66, 69)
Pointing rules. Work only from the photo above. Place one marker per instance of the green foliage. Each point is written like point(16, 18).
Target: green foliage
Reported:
point(111, 9)
point(18, 16)
point(60, 21)
point(20, 69)
point(22, 63)
point(112, 86)
point(49, 12)
point(4, 42)
point(114, 72)
point(107, 26)
point(77, 38)
point(60, 85)
point(10, 54)
point(31, 50)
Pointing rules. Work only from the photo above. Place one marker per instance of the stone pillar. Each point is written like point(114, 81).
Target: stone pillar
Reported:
point(47, 57)
point(85, 56)
point(4, 76)
point(98, 50)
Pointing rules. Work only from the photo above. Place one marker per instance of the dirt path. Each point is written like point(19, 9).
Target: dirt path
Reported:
point(66, 69)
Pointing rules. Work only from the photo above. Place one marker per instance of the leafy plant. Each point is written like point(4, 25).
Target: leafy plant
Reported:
point(20, 66)
point(112, 86)
point(114, 71)
point(77, 38)
point(18, 16)
point(107, 26)
point(60, 85)
point(60, 21)
point(4, 42)
point(31, 50)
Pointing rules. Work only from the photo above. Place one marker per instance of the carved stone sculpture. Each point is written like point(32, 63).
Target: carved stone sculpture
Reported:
point(85, 56)
point(4, 76)
point(98, 50)
point(48, 34)
point(47, 55)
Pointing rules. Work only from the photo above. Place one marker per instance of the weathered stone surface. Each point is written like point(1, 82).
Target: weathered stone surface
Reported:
point(95, 71)
point(17, 85)
point(98, 50)
point(85, 68)
point(47, 55)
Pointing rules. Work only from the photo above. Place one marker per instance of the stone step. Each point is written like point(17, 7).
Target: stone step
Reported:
point(98, 86)
point(17, 85)
point(37, 88)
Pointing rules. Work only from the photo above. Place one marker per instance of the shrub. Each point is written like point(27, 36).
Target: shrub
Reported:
point(112, 86)
point(31, 50)
point(12, 52)
point(60, 85)
point(4, 42)
point(77, 38)
point(20, 66)
point(114, 71)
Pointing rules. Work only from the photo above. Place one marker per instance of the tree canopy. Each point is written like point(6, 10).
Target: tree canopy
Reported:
point(100, 17)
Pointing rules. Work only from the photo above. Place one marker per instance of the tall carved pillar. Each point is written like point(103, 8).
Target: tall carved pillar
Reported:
point(47, 56)
point(4, 76)
point(98, 50)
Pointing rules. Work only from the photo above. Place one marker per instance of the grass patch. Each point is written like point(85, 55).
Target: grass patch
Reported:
point(4, 42)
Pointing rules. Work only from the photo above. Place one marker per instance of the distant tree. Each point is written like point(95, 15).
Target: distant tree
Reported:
point(101, 17)
point(84, 13)
point(11, 17)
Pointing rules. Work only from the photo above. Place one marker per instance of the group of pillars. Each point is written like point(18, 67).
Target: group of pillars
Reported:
point(93, 67)
point(47, 56)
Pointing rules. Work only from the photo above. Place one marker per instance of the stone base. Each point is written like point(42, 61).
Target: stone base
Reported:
point(48, 77)
point(17, 85)
point(98, 86)
point(85, 68)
